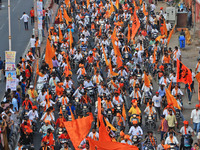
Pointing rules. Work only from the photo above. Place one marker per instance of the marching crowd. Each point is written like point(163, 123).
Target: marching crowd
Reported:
point(110, 60)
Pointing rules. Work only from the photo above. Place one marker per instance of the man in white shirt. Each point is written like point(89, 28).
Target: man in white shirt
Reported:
point(135, 130)
point(32, 42)
point(33, 114)
point(195, 118)
point(168, 25)
point(25, 17)
point(94, 135)
point(157, 103)
point(172, 139)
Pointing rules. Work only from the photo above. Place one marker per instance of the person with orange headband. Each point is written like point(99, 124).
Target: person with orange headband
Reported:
point(186, 130)
point(171, 139)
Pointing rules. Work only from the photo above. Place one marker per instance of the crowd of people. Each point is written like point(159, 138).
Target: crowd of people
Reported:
point(111, 59)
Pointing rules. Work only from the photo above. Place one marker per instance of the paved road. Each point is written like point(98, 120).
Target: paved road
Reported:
point(20, 37)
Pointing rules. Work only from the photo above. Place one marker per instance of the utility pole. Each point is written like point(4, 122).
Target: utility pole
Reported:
point(9, 26)
point(194, 17)
point(36, 18)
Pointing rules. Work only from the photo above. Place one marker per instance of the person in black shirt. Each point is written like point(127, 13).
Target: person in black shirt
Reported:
point(43, 146)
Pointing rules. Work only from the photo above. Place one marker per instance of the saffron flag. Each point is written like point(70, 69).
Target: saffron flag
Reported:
point(37, 70)
point(159, 38)
point(135, 25)
point(67, 3)
point(171, 99)
point(48, 54)
point(165, 28)
point(184, 74)
point(60, 35)
point(144, 10)
point(170, 35)
point(110, 125)
point(103, 133)
point(88, 3)
point(129, 33)
point(124, 112)
point(99, 108)
point(146, 80)
point(111, 70)
point(70, 39)
point(119, 62)
point(117, 4)
point(67, 18)
point(60, 15)
point(100, 31)
point(198, 77)
point(170, 86)
point(112, 9)
point(105, 145)
point(78, 129)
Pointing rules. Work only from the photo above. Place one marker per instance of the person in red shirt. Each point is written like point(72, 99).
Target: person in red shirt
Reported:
point(32, 16)
point(27, 103)
point(49, 139)
point(63, 137)
point(60, 121)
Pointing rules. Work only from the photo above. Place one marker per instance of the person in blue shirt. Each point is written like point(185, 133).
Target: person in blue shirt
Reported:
point(162, 91)
point(18, 96)
point(23, 86)
point(1, 68)
point(15, 103)
point(72, 108)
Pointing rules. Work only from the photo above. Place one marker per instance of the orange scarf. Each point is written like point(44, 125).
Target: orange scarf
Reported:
point(97, 79)
point(113, 83)
point(85, 98)
point(72, 115)
point(64, 100)
point(32, 94)
point(185, 130)
point(117, 99)
point(83, 71)
point(150, 109)
point(152, 142)
point(19, 148)
point(36, 43)
point(176, 90)
point(140, 47)
point(134, 82)
point(67, 85)
point(94, 136)
point(97, 64)
point(46, 117)
point(165, 81)
point(26, 104)
point(175, 53)
point(162, 124)
point(120, 121)
point(171, 139)
point(108, 104)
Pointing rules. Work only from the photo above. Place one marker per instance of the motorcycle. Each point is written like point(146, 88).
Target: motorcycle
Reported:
point(187, 142)
point(149, 147)
point(69, 93)
point(150, 122)
point(85, 110)
point(109, 114)
point(118, 109)
point(178, 117)
point(136, 141)
point(135, 117)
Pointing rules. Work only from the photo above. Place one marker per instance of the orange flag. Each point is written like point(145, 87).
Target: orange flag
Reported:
point(198, 77)
point(53, 52)
point(129, 33)
point(78, 129)
point(88, 3)
point(67, 18)
point(100, 31)
point(60, 35)
point(140, 2)
point(170, 86)
point(117, 4)
point(72, 115)
point(171, 99)
point(170, 35)
point(119, 62)
point(135, 6)
point(60, 15)
point(70, 38)
point(68, 64)
point(49, 36)
point(48, 54)
point(146, 80)
point(135, 25)
point(110, 125)
point(103, 133)
point(184, 74)
point(99, 108)
point(67, 3)
point(111, 70)
point(159, 38)
point(144, 10)
point(165, 28)
point(124, 112)
point(154, 56)
point(106, 145)
point(61, 111)
point(112, 9)
point(105, 57)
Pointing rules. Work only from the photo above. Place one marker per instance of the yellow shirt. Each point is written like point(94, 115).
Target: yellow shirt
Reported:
point(34, 93)
point(17, 71)
point(134, 110)
point(171, 120)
